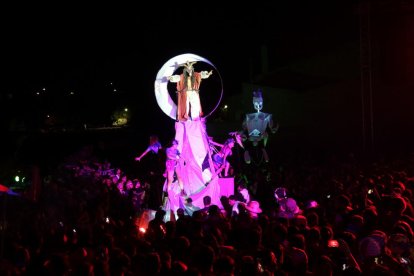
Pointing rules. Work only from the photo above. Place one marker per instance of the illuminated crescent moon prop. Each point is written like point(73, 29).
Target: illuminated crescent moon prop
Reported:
point(167, 105)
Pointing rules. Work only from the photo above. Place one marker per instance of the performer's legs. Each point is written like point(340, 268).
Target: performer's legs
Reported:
point(265, 156)
point(179, 179)
point(247, 157)
point(187, 104)
point(171, 170)
point(265, 138)
point(226, 169)
point(170, 167)
point(195, 105)
point(170, 178)
point(256, 154)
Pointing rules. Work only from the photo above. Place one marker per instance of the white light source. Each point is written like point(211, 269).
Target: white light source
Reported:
point(164, 100)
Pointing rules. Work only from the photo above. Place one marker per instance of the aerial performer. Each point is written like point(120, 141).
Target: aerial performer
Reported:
point(172, 166)
point(220, 157)
point(151, 167)
point(153, 147)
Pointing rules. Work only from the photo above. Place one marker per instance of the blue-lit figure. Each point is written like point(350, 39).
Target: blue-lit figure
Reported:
point(154, 147)
point(255, 127)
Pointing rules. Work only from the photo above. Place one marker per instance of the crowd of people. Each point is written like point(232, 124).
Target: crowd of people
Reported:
point(336, 215)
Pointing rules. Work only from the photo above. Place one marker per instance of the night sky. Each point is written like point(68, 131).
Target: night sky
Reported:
point(83, 48)
point(108, 55)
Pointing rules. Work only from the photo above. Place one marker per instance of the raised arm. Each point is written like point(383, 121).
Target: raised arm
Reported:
point(206, 74)
point(216, 144)
point(174, 78)
point(238, 136)
point(142, 155)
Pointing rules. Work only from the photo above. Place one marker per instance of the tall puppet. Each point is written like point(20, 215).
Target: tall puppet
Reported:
point(255, 127)
point(190, 128)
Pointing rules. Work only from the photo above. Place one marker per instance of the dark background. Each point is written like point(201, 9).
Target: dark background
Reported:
point(95, 50)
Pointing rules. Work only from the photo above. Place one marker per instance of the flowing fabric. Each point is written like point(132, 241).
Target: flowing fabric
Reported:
point(193, 145)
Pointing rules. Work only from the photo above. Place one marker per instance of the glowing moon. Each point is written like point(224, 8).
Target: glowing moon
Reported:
point(167, 105)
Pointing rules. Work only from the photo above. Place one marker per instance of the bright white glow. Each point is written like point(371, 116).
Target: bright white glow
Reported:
point(114, 89)
point(142, 230)
point(167, 105)
point(72, 93)
point(225, 106)
point(126, 109)
point(37, 93)
point(44, 89)
point(17, 178)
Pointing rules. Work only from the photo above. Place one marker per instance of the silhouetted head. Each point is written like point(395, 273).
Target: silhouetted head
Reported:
point(257, 100)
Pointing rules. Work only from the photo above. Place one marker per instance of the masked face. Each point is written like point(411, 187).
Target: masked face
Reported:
point(189, 69)
point(258, 103)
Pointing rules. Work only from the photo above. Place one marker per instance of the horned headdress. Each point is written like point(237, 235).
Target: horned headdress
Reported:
point(188, 66)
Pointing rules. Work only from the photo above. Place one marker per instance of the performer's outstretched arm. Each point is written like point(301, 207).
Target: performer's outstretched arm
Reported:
point(174, 78)
point(216, 144)
point(205, 74)
point(142, 155)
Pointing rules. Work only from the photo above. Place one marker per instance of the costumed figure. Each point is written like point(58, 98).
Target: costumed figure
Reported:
point(172, 166)
point(154, 147)
point(221, 163)
point(255, 127)
point(151, 169)
point(287, 206)
point(188, 87)
point(190, 132)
